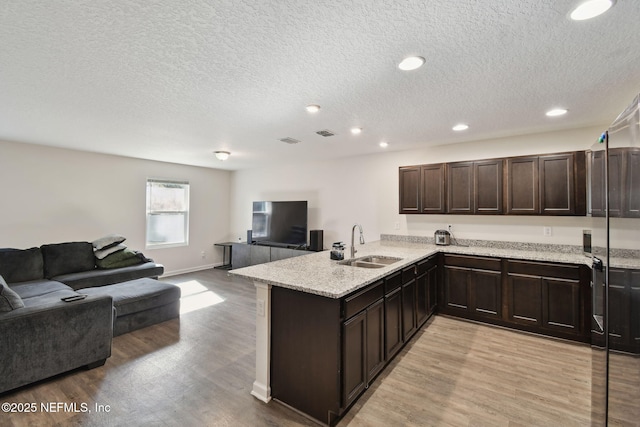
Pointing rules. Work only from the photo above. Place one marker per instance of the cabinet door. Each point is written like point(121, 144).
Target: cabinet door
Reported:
point(597, 184)
point(525, 299)
point(619, 309)
point(460, 188)
point(632, 184)
point(375, 339)
point(522, 186)
point(456, 284)
point(422, 298)
point(486, 293)
point(433, 185)
point(634, 320)
point(557, 188)
point(616, 182)
point(393, 322)
point(408, 310)
point(240, 255)
point(409, 178)
point(432, 299)
point(488, 186)
point(354, 372)
point(561, 305)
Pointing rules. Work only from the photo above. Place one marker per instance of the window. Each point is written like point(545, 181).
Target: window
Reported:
point(167, 213)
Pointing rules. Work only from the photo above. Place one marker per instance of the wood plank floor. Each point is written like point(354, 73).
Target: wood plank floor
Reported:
point(199, 370)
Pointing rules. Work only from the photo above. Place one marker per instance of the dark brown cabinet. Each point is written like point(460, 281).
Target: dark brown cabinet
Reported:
point(624, 183)
point(475, 187)
point(472, 287)
point(550, 298)
point(363, 350)
point(624, 310)
point(409, 320)
point(553, 184)
point(426, 289)
point(422, 189)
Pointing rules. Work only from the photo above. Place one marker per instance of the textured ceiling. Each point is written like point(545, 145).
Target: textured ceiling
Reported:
point(174, 80)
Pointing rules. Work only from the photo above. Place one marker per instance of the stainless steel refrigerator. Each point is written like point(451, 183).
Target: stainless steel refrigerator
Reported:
point(614, 241)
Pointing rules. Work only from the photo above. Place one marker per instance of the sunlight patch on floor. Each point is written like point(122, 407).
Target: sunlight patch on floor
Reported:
point(196, 296)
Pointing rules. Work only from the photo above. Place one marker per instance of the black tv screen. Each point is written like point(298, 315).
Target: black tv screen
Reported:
point(280, 223)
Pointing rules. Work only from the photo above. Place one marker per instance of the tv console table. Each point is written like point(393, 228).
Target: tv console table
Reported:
point(244, 255)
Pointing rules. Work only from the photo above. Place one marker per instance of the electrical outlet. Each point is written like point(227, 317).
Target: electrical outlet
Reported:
point(396, 226)
point(260, 307)
point(546, 231)
point(450, 228)
point(202, 254)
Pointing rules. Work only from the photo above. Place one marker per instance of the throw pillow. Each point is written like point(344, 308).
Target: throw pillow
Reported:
point(70, 257)
point(9, 299)
point(123, 258)
point(107, 241)
point(101, 254)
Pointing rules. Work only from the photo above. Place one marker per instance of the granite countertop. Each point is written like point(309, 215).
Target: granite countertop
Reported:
point(316, 273)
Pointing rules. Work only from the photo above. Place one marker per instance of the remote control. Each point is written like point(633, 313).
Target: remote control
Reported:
point(74, 297)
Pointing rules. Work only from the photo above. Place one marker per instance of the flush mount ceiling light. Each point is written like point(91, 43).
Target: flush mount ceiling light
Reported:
point(460, 127)
point(556, 112)
point(312, 108)
point(384, 144)
point(590, 9)
point(222, 155)
point(411, 63)
point(356, 131)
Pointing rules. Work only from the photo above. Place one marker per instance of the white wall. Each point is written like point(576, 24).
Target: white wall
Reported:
point(52, 195)
point(364, 189)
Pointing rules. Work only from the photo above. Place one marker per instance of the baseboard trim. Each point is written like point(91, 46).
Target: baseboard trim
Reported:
point(189, 270)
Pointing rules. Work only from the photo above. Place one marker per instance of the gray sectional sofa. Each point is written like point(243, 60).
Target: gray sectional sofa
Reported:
point(43, 336)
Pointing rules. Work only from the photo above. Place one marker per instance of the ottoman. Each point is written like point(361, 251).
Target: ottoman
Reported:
point(139, 303)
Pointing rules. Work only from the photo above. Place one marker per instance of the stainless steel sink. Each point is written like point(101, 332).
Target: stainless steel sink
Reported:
point(379, 259)
point(371, 261)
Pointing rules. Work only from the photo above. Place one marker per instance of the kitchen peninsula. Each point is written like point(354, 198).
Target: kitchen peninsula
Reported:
point(325, 330)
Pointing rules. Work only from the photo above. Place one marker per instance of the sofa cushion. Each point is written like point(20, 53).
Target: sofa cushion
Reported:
point(36, 288)
point(21, 265)
point(98, 277)
point(137, 295)
point(107, 241)
point(70, 257)
point(9, 300)
point(48, 299)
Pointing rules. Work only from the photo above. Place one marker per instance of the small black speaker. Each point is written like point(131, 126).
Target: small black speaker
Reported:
point(249, 237)
point(315, 240)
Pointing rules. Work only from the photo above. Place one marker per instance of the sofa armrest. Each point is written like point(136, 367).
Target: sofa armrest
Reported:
point(46, 340)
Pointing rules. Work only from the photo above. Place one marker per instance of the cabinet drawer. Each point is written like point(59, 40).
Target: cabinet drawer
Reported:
point(542, 269)
point(408, 274)
point(425, 265)
point(482, 263)
point(392, 282)
point(355, 303)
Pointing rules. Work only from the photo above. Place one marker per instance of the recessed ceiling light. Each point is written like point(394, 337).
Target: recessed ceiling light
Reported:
point(356, 131)
point(222, 155)
point(460, 127)
point(312, 108)
point(590, 9)
point(411, 63)
point(556, 112)
point(384, 144)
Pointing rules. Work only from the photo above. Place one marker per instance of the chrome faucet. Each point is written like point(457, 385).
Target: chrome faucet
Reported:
point(353, 245)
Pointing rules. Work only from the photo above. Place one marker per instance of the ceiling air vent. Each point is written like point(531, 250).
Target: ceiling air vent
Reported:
point(290, 140)
point(325, 133)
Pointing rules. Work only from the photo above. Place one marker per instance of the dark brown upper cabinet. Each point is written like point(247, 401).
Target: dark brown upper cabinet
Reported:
point(553, 184)
point(475, 187)
point(523, 195)
point(422, 189)
point(624, 183)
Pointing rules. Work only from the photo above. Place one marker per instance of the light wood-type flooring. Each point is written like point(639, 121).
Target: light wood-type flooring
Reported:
point(199, 370)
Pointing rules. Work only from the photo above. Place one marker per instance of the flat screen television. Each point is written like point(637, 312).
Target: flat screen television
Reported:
point(280, 223)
